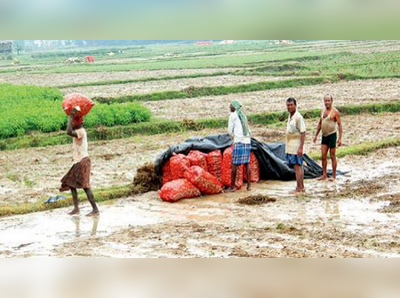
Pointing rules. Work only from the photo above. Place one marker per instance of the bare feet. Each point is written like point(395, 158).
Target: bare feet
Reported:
point(333, 179)
point(297, 191)
point(93, 213)
point(230, 189)
point(74, 212)
point(322, 178)
point(248, 187)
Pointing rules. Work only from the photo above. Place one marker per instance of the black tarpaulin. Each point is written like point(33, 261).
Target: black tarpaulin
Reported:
point(270, 155)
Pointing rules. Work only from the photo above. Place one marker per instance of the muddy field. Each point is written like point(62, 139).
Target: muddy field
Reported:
point(342, 219)
point(30, 174)
point(61, 79)
point(344, 93)
point(167, 85)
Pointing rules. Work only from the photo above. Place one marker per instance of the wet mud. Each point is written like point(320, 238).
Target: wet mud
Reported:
point(333, 219)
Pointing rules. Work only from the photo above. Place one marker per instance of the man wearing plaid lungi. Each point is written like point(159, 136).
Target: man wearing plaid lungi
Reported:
point(240, 132)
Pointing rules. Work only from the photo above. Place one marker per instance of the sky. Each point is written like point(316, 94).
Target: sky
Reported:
point(233, 19)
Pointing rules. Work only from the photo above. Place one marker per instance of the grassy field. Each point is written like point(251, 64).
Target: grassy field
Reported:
point(344, 64)
point(222, 61)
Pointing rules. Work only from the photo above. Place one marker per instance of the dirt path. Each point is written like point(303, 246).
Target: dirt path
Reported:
point(29, 174)
point(344, 93)
point(59, 79)
point(332, 220)
point(167, 85)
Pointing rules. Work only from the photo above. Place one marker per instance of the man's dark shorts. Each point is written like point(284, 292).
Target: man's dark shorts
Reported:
point(330, 140)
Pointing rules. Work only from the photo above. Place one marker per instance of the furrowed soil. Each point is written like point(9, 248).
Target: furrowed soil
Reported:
point(167, 85)
point(62, 79)
point(341, 219)
point(344, 93)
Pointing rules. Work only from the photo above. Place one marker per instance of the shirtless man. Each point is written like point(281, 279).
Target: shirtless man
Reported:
point(328, 124)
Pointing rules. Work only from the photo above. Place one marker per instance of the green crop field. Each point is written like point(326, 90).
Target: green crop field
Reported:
point(375, 65)
point(31, 108)
point(219, 61)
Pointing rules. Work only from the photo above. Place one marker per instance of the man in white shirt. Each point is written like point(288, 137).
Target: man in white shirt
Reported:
point(78, 177)
point(295, 137)
point(239, 130)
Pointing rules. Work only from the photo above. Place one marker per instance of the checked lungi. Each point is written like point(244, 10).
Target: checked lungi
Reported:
point(241, 154)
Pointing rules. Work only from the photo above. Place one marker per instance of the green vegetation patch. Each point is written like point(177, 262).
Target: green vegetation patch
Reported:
point(25, 109)
point(156, 127)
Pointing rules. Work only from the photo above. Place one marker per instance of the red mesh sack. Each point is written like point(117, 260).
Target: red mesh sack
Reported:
point(198, 158)
point(214, 164)
point(203, 180)
point(254, 169)
point(179, 164)
point(89, 59)
point(166, 172)
point(227, 170)
point(77, 100)
point(176, 190)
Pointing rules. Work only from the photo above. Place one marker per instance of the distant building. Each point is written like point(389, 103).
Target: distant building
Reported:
point(6, 47)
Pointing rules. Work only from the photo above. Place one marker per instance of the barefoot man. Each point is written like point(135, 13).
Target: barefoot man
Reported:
point(295, 136)
point(328, 123)
point(78, 176)
point(239, 130)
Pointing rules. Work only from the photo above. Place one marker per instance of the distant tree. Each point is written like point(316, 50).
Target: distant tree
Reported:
point(19, 46)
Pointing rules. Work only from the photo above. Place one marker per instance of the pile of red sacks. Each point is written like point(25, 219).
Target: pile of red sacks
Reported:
point(200, 173)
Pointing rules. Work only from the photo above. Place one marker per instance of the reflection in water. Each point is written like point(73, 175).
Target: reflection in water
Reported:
point(95, 224)
point(332, 208)
point(77, 221)
point(302, 211)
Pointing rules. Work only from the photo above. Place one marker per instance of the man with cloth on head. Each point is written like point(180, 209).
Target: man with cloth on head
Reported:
point(239, 131)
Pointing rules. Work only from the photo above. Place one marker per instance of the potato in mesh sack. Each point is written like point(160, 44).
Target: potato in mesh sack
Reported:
point(198, 158)
point(75, 100)
point(179, 164)
point(227, 170)
point(177, 190)
point(204, 181)
point(254, 169)
point(214, 163)
point(166, 172)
